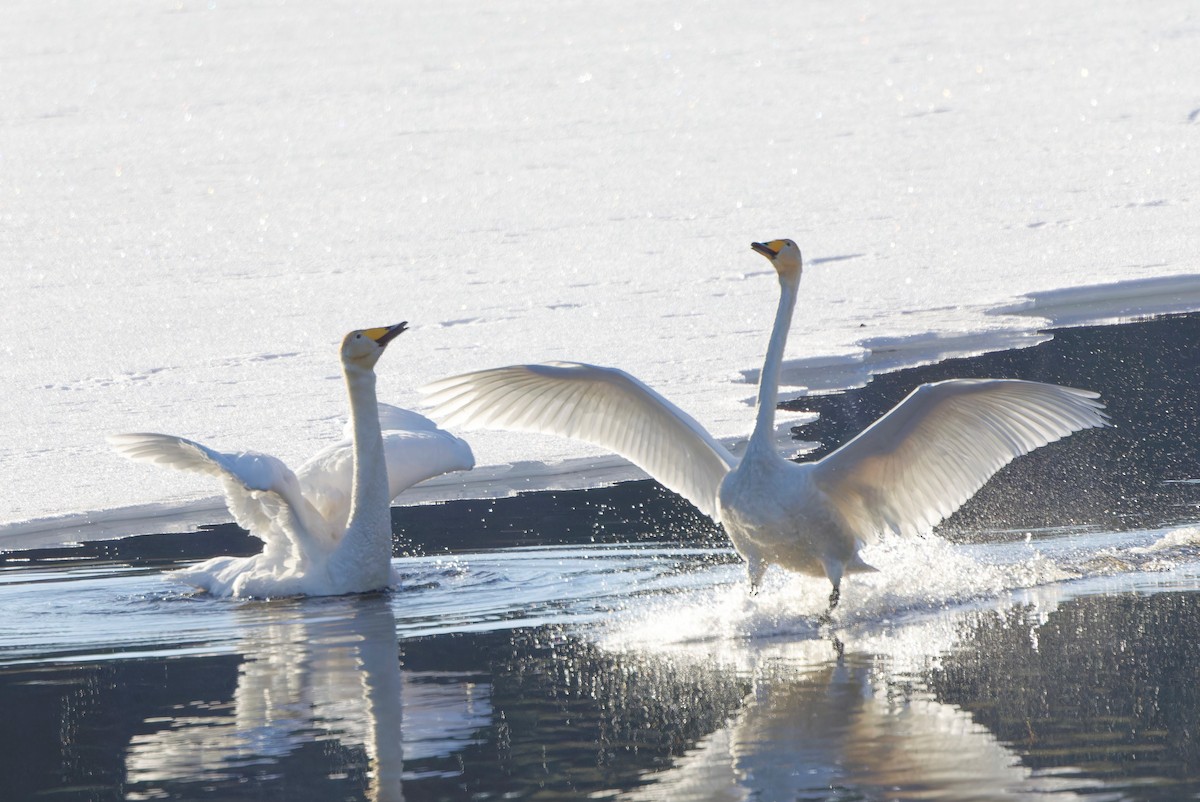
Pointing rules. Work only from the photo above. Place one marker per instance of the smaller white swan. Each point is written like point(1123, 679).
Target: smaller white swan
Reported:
point(326, 529)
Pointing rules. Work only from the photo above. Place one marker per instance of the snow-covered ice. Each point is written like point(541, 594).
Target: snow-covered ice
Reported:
point(199, 198)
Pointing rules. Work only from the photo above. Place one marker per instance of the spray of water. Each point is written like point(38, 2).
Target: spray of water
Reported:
point(919, 582)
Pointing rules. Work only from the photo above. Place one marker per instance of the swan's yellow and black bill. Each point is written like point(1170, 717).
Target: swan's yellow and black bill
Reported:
point(768, 249)
point(386, 334)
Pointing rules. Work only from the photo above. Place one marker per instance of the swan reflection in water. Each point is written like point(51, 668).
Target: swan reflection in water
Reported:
point(315, 670)
point(838, 726)
point(857, 715)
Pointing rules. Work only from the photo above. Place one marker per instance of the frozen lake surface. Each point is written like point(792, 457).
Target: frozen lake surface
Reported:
point(199, 198)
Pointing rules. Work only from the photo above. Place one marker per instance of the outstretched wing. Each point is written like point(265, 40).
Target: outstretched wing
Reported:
point(603, 406)
point(922, 460)
point(261, 492)
point(414, 448)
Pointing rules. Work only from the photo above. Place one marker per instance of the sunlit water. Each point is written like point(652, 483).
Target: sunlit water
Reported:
point(616, 671)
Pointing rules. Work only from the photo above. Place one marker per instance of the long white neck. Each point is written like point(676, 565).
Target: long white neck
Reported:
point(368, 537)
point(763, 437)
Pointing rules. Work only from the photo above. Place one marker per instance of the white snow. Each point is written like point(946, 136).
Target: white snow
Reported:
point(199, 197)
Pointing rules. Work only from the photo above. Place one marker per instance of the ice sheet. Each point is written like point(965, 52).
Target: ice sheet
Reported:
point(197, 199)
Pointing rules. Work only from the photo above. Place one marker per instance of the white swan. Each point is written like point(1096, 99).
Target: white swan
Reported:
point(905, 473)
point(327, 528)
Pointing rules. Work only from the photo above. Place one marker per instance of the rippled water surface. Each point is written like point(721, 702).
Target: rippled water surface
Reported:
point(1054, 666)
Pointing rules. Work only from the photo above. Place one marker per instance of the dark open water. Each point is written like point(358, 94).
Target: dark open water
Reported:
point(600, 644)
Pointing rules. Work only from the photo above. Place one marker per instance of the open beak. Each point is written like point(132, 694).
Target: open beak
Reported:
point(385, 335)
point(764, 249)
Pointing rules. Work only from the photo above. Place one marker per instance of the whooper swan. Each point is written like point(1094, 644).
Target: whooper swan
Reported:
point(904, 473)
point(326, 528)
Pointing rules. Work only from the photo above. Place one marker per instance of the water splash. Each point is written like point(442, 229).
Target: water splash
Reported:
point(919, 582)
point(915, 578)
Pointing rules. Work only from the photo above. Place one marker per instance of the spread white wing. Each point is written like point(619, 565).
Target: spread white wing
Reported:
point(603, 406)
point(414, 448)
point(261, 492)
point(922, 460)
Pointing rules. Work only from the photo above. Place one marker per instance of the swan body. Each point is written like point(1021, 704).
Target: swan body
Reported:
point(326, 528)
point(904, 473)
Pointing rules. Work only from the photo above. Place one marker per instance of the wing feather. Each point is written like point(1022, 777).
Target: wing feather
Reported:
point(603, 406)
point(261, 492)
point(414, 448)
point(922, 460)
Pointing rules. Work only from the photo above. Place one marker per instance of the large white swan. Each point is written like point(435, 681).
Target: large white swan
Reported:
point(327, 528)
point(904, 473)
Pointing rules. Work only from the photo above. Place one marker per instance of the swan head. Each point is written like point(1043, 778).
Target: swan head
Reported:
point(784, 255)
point(363, 347)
